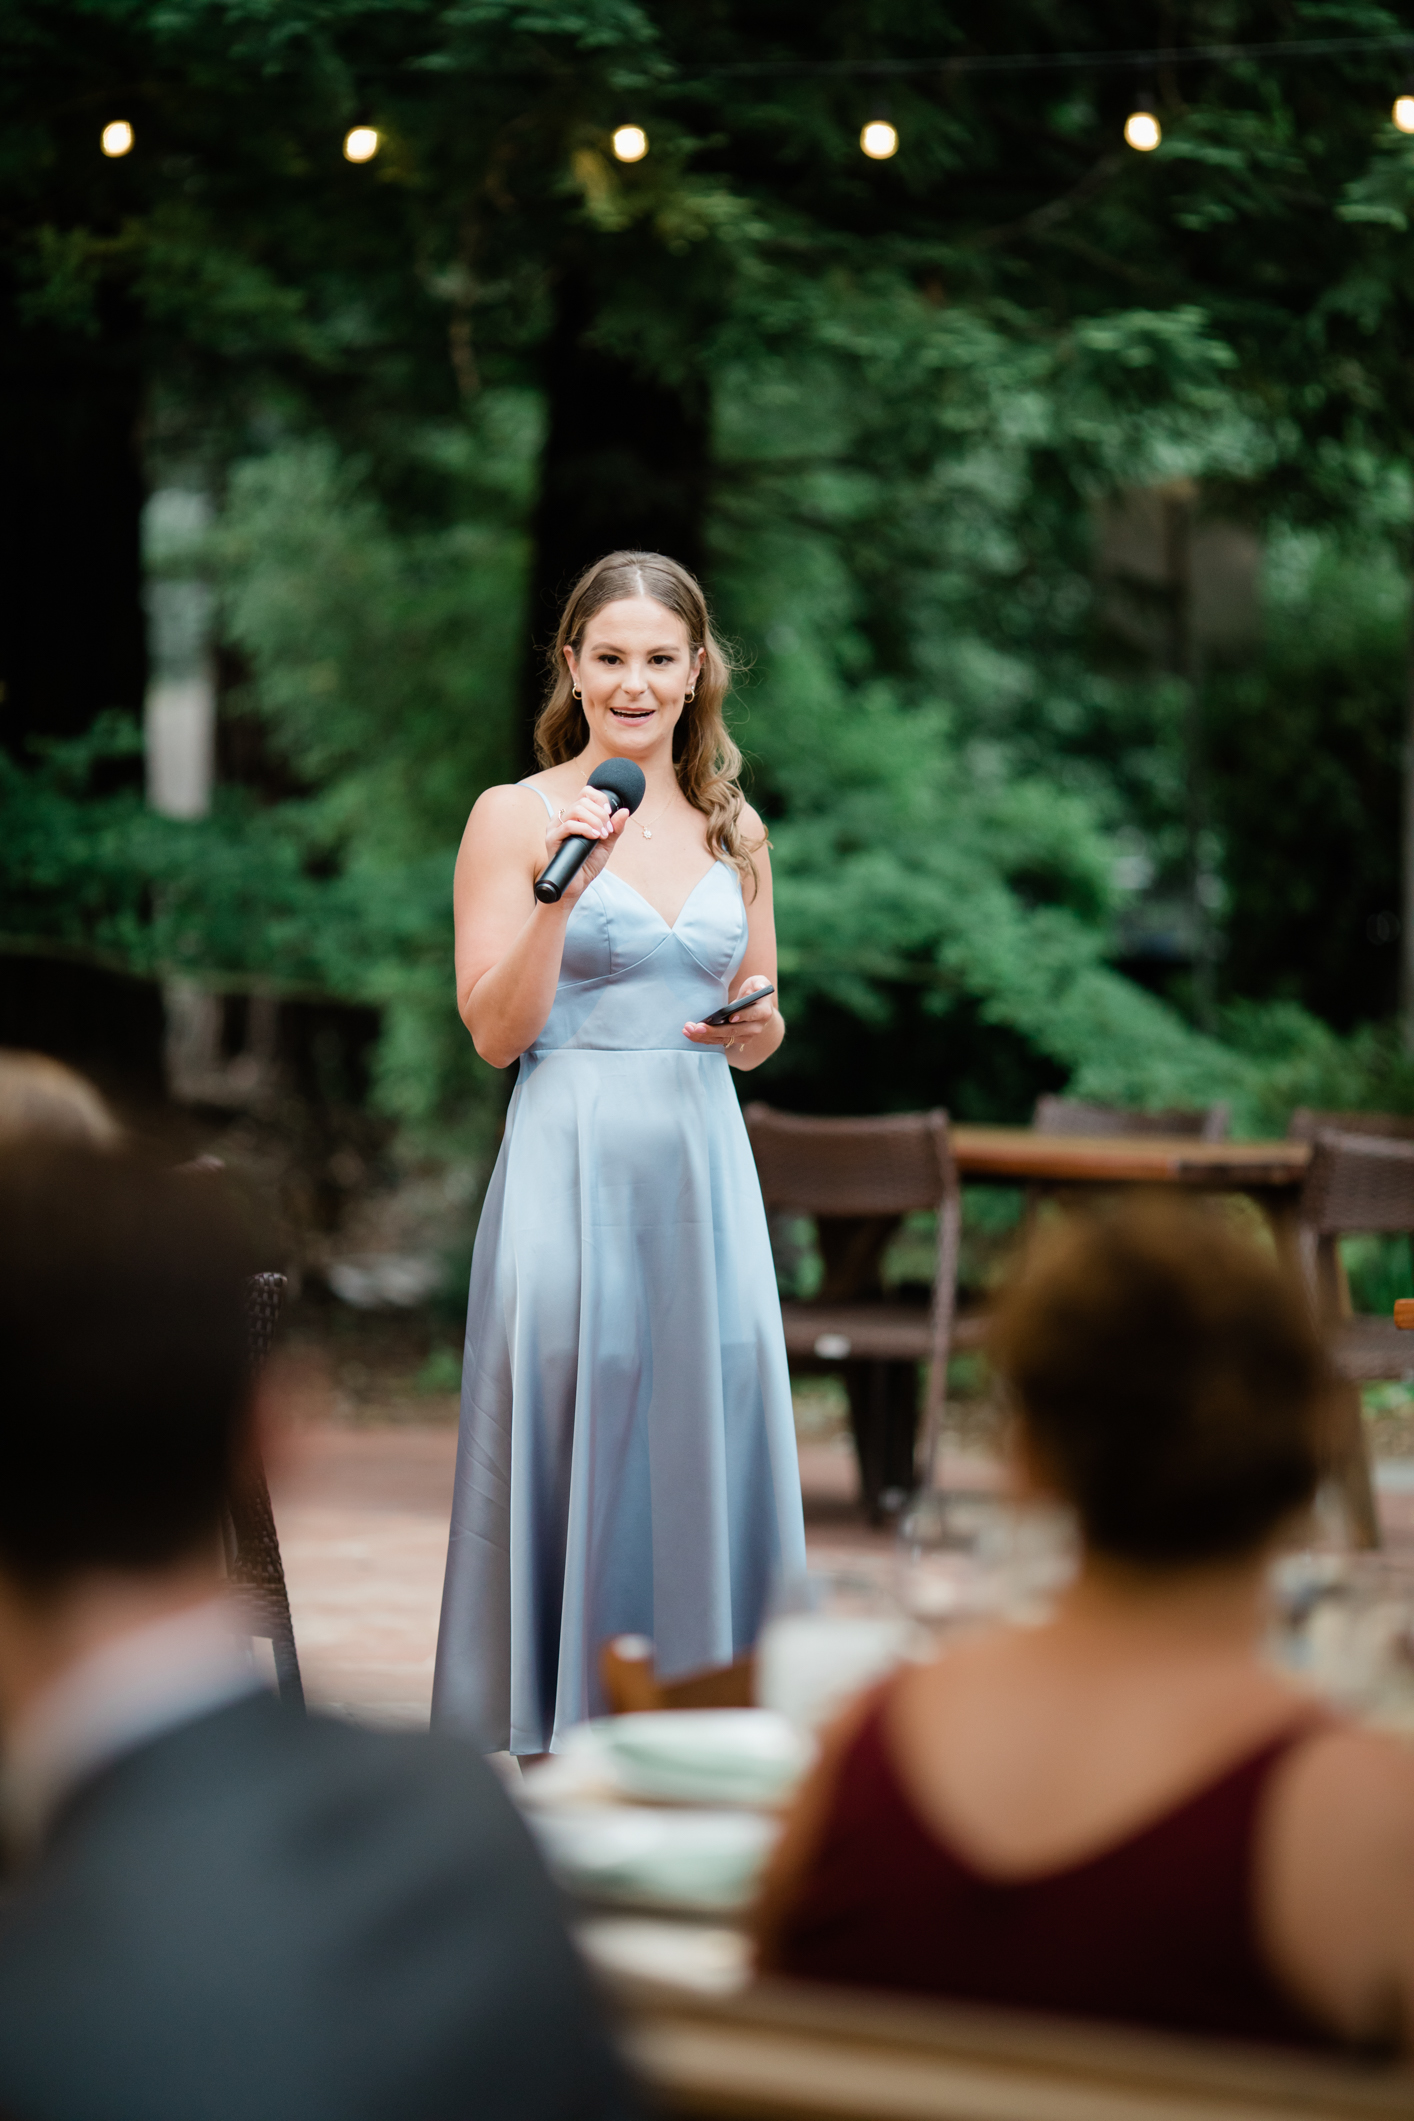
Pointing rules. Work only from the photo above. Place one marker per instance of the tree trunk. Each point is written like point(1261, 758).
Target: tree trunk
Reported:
point(1406, 899)
point(626, 465)
point(1184, 661)
point(72, 634)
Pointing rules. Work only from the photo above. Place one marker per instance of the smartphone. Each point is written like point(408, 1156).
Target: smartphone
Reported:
point(734, 1009)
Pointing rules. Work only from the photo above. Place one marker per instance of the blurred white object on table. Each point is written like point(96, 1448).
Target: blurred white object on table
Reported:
point(829, 1634)
point(676, 1756)
point(700, 1957)
point(675, 1810)
point(701, 1862)
point(714, 1756)
point(1344, 1625)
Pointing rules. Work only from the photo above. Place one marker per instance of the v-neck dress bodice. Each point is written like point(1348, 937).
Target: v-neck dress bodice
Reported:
point(626, 1462)
point(630, 982)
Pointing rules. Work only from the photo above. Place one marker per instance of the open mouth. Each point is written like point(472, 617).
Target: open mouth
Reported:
point(631, 714)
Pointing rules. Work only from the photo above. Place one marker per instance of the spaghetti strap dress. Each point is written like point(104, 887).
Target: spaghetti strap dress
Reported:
point(1160, 1927)
point(626, 1462)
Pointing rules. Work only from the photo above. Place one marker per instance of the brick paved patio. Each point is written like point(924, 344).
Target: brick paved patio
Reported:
point(363, 1525)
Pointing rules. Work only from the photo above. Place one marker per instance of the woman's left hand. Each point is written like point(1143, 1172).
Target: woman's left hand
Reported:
point(742, 1029)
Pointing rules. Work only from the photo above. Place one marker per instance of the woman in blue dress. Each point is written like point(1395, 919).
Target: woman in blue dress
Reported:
point(627, 1459)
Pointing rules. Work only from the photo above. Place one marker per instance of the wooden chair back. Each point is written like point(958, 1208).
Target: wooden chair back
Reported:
point(1306, 1123)
point(890, 1166)
point(1357, 1183)
point(631, 1683)
point(899, 1164)
point(1074, 1115)
point(256, 1563)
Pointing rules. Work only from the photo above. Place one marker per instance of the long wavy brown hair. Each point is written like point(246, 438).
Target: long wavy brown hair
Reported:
point(708, 762)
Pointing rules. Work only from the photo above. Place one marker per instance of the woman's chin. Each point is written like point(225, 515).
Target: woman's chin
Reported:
point(632, 735)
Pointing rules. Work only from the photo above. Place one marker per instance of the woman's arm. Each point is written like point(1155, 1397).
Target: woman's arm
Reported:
point(755, 1035)
point(809, 1815)
point(509, 946)
point(1335, 1882)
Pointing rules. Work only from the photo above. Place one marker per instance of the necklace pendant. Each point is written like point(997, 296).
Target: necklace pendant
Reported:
point(646, 833)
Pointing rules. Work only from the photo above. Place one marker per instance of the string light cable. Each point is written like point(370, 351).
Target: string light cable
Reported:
point(1142, 130)
point(879, 138)
point(1136, 60)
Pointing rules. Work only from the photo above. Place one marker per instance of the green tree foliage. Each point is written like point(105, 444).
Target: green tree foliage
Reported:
point(1306, 763)
point(928, 741)
point(922, 375)
point(383, 665)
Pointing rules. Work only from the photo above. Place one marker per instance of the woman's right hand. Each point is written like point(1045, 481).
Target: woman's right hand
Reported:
point(588, 817)
point(509, 945)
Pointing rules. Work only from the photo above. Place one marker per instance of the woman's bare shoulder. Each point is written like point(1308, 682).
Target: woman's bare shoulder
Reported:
point(509, 798)
point(1340, 1827)
point(1338, 1877)
point(1360, 1782)
point(508, 806)
point(507, 822)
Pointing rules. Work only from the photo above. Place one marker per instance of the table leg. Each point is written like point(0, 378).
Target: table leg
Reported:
point(1350, 1468)
point(1282, 1207)
point(883, 1413)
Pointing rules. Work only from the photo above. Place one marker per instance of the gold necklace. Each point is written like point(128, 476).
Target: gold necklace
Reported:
point(647, 830)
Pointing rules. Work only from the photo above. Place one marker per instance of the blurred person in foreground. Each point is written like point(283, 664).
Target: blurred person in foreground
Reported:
point(216, 1908)
point(1125, 1813)
point(41, 1099)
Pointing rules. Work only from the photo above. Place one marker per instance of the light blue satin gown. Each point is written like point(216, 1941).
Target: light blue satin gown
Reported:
point(627, 1461)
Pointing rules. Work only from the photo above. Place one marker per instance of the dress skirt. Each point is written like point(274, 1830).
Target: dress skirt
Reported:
point(627, 1460)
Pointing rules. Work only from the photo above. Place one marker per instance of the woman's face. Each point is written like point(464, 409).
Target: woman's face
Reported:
point(634, 669)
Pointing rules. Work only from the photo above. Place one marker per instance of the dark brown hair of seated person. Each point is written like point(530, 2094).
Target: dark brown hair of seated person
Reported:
point(1168, 1380)
point(123, 1346)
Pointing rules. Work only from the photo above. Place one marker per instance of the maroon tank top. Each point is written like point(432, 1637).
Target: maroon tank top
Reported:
point(1158, 1929)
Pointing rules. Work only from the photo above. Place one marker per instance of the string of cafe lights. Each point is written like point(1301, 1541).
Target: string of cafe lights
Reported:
point(879, 136)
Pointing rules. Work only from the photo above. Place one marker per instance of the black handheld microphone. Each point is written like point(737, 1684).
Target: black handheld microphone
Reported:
point(623, 783)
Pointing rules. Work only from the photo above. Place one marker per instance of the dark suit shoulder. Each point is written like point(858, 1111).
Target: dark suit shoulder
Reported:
point(259, 1913)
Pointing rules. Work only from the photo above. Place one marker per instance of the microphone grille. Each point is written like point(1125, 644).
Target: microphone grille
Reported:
point(622, 778)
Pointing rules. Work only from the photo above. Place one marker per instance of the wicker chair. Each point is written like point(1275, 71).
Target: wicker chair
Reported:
point(858, 1177)
point(1305, 1124)
point(631, 1682)
point(1072, 1115)
point(255, 1544)
point(1356, 1183)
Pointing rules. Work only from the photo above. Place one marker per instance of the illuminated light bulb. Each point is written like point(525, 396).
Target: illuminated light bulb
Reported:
point(117, 138)
point(1143, 131)
point(630, 143)
point(360, 143)
point(1403, 113)
point(879, 140)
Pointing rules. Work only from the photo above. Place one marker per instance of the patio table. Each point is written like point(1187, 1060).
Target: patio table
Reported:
point(1269, 1172)
point(883, 1386)
point(1012, 1155)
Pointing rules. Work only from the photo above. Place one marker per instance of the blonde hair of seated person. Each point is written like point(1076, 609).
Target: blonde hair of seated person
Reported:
point(42, 1100)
